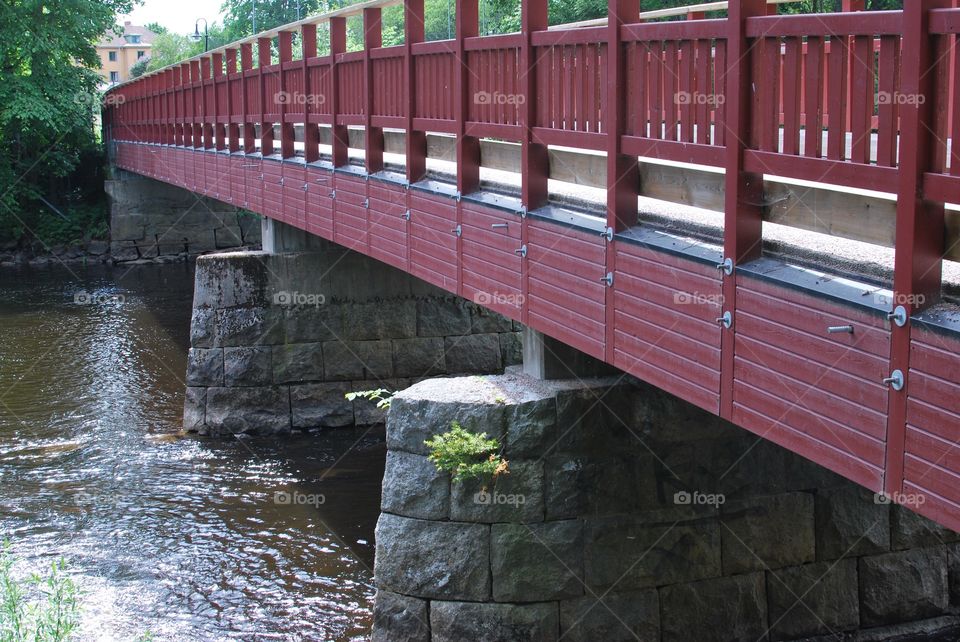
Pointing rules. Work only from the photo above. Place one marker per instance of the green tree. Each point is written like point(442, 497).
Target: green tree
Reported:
point(48, 98)
point(238, 22)
point(156, 27)
point(169, 48)
point(139, 68)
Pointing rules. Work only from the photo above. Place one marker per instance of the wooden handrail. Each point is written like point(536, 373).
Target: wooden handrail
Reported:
point(656, 14)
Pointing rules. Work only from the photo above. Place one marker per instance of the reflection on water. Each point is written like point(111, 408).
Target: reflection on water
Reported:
point(181, 537)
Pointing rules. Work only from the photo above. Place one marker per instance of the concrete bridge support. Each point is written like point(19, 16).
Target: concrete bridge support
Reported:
point(630, 515)
point(277, 339)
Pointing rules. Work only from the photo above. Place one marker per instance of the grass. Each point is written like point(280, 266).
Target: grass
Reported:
point(37, 608)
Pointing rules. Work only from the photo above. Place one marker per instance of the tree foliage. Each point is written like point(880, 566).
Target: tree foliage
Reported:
point(169, 47)
point(496, 16)
point(139, 68)
point(48, 97)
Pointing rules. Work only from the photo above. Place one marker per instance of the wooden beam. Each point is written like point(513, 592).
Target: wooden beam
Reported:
point(373, 138)
point(468, 147)
point(918, 262)
point(743, 210)
point(416, 147)
point(338, 45)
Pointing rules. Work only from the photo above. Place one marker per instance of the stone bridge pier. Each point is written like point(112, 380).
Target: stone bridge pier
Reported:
point(151, 219)
point(630, 515)
point(625, 514)
point(278, 337)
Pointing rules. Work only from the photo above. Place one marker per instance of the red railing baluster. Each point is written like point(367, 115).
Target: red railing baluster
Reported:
point(919, 246)
point(813, 97)
point(266, 128)
point(623, 176)
point(623, 173)
point(195, 86)
point(221, 108)
point(285, 106)
point(340, 138)
point(373, 138)
point(207, 108)
point(233, 128)
point(311, 130)
point(743, 212)
point(534, 161)
point(249, 131)
point(791, 96)
point(468, 147)
point(413, 25)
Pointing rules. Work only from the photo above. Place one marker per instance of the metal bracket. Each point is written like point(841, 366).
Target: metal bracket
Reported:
point(607, 233)
point(726, 266)
point(726, 320)
point(523, 211)
point(458, 197)
point(306, 187)
point(458, 231)
point(522, 251)
point(898, 316)
point(281, 180)
point(608, 279)
point(333, 194)
point(366, 203)
point(895, 380)
point(406, 215)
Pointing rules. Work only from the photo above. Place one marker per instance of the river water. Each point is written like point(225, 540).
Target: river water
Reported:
point(179, 537)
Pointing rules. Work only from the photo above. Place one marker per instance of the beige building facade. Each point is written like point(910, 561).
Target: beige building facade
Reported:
point(120, 52)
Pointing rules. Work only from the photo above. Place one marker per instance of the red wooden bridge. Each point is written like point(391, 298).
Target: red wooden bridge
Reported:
point(860, 375)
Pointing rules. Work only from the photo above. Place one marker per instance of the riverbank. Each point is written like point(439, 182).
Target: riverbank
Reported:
point(94, 252)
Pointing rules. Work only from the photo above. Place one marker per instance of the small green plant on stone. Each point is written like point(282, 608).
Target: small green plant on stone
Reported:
point(467, 455)
point(37, 608)
point(381, 396)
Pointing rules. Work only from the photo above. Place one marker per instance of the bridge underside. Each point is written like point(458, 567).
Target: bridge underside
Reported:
point(806, 355)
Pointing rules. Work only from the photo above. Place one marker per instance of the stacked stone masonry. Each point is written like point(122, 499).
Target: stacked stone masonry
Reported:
point(151, 219)
point(277, 340)
point(630, 515)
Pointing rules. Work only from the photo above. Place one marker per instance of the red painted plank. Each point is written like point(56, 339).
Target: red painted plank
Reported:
point(672, 339)
point(669, 307)
point(829, 353)
point(929, 477)
point(789, 413)
point(635, 363)
point(828, 455)
point(812, 373)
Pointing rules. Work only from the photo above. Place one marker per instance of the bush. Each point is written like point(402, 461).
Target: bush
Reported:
point(467, 455)
point(37, 608)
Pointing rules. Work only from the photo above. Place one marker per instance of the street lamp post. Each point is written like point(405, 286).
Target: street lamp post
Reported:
point(206, 34)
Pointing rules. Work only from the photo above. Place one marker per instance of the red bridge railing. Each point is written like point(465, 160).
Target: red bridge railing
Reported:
point(859, 100)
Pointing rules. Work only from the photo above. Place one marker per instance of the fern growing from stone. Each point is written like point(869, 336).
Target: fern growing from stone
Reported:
point(467, 455)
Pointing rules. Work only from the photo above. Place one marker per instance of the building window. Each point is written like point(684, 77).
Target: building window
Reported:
point(112, 56)
point(114, 76)
point(133, 39)
point(140, 54)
